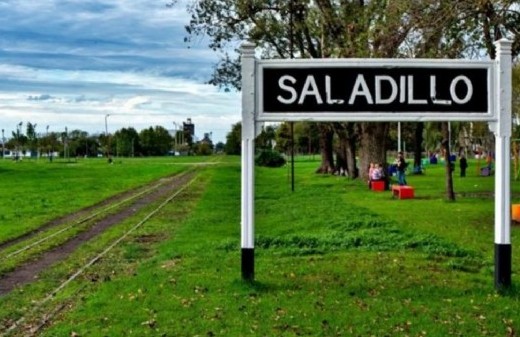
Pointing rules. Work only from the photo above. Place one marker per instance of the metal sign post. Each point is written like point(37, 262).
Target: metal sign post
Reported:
point(248, 163)
point(502, 129)
point(379, 90)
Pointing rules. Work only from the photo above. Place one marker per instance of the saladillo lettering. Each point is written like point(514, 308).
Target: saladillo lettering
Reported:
point(371, 89)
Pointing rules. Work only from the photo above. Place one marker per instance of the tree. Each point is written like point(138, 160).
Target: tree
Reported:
point(346, 149)
point(104, 141)
point(328, 29)
point(475, 26)
point(32, 138)
point(19, 139)
point(219, 147)
point(490, 20)
point(283, 138)
point(307, 135)
point(450, 194)
point(234, 140)
point(49, 143)
point(317, 29)
point(203, 149)
point(155, 141)
point(127, 142)
point(78, 144)
point(266, 138)
point(326, 148)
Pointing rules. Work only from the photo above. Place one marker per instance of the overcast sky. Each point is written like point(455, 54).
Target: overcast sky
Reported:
point(69, 63)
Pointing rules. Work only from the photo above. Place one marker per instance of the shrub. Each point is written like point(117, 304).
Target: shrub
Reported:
point(270, 158)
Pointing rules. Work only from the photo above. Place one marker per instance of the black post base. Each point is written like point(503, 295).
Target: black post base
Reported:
point(248, 264)
point(502, 266)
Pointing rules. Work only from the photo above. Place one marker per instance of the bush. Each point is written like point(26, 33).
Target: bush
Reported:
point(270, 158)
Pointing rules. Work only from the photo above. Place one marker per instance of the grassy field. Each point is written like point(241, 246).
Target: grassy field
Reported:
point(332, 259)
point(36, 191)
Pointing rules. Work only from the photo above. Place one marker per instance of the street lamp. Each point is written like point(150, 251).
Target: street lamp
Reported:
point(18, 139)
point(108, 138)
point(175, 138)
point(50, 146)
point(65, 148)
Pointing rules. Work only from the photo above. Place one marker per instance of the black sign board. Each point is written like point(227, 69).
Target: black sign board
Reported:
point(375, 89)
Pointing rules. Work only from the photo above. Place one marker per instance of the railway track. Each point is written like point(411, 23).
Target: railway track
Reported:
point(46, 234)
point(83, 215)
point(160, 194)
point(22, 259)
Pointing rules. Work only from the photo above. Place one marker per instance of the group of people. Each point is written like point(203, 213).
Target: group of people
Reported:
point(376, 172)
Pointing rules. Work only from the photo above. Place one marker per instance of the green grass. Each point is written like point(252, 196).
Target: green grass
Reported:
point(332, 259)
point(36, 191)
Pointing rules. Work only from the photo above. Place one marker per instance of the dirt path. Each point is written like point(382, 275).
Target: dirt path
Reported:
point(82, 213)
point(29, 271)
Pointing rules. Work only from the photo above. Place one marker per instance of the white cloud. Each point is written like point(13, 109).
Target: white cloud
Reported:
point(136, 102)
point(71, 62)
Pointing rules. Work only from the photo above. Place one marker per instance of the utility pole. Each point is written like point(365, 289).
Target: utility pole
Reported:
point(108, 138)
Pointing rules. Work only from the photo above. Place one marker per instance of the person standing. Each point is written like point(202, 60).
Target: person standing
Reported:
point(463, 163)
point(370, 173)
point(401, 169)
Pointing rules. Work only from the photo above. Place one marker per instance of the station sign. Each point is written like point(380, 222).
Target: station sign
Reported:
point(418, 88)
point(380, 90)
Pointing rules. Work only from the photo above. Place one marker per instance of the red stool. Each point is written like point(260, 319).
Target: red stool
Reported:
point(378, 185)
point(402, 192)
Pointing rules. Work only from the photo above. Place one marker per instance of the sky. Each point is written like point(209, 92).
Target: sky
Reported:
point(70, 63)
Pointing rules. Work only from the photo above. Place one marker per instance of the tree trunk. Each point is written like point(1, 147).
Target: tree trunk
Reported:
point(327, 158)
point(346, 152)
point(450, 194)
point(352, 169)
point(418, 148)
point(341, 159)
point(373, 146)
point(341, 149)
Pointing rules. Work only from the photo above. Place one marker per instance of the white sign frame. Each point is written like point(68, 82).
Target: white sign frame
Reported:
point(498, 117)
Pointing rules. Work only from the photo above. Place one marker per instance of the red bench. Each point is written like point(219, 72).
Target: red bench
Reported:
point(402, 192)
point(377, 185)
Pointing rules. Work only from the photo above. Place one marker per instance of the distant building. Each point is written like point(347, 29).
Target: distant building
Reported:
point(207, 138)
point(189, 128)
point(13, 154)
